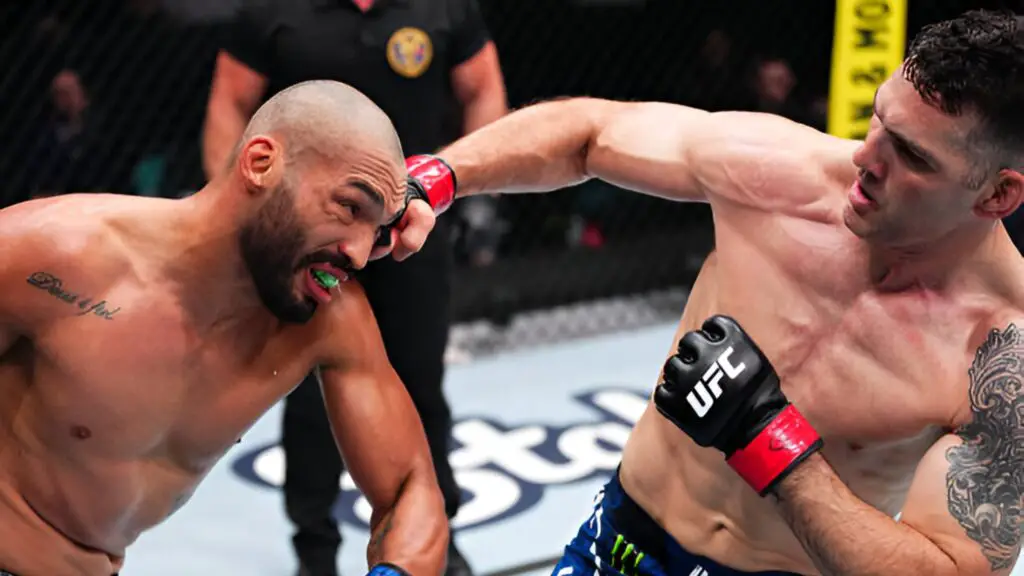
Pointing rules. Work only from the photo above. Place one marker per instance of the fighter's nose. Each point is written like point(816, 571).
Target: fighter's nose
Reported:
point(357, 254)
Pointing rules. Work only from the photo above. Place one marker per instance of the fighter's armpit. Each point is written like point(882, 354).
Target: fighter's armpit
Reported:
point(81, 303)
point(985, 480)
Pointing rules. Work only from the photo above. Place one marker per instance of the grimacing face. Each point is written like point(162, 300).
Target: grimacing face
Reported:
point(313, 230)
point(915, 170)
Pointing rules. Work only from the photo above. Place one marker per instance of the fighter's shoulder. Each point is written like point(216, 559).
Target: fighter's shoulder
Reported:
point(346, 328)
point(46, 244)
point(51, 231)
point(773, 159)
point(997, 343)
point(760, 132)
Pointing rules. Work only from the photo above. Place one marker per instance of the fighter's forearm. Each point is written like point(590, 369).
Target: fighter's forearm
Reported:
point(844, 536)
point(412, 534)
point(534, 149)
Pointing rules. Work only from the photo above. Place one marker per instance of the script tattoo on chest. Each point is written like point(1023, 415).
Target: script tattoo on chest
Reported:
point(985, 481)
point(85, 305)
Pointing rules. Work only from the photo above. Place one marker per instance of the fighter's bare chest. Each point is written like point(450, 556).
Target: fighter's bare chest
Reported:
point(881, 383)
point(863, 364)
point(885, 370)
point(145, 384)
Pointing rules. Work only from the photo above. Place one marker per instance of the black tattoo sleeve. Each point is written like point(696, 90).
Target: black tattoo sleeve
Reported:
point(85, 305)
point(985, 481)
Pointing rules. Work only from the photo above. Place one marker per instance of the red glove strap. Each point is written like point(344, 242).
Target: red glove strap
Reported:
point(785, 441)
point(437, 180)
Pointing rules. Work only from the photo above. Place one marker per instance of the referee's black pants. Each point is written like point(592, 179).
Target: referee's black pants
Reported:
point(410, 300)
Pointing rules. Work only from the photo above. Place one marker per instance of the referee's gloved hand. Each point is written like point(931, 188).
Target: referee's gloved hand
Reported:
point(431, 190)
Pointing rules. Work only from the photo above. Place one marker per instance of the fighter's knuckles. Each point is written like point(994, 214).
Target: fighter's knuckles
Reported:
point(720, 327)
point(419, 221)
point(676, 370)
point(419, 210)
point(665, 399)
point(693, 346)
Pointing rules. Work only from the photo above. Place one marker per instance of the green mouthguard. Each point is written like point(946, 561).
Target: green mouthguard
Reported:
point(325, 279)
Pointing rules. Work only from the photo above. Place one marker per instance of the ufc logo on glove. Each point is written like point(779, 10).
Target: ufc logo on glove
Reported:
point(710, 380)
point(734, 403)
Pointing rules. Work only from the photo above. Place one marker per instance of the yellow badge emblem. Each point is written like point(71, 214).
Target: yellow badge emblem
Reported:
point(410, 52)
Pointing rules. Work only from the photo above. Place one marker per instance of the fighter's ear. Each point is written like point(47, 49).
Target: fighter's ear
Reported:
point(1005, 198)
point(261, 162)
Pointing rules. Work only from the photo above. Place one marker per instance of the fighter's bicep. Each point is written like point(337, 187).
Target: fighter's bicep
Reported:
point(961, 501)
point(373, 418)
point(644, 147)
point(968, 492)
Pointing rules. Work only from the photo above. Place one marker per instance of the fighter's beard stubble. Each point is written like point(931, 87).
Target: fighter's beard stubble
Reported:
point(985, 481)
point(271, 245)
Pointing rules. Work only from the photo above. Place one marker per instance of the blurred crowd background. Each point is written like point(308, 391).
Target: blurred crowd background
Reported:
point(110, 95)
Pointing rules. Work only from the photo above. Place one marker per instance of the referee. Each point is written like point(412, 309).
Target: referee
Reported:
point(416, 59)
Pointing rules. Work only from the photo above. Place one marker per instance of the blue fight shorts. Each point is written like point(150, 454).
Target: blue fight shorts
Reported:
point(620, 538)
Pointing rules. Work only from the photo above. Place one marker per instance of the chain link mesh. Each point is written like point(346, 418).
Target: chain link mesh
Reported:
point(139, 72)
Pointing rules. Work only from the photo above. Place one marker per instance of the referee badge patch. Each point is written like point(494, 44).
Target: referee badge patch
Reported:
point(410, 52)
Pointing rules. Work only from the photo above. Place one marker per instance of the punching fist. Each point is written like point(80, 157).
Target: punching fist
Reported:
point(430, 190)
point(721, 391)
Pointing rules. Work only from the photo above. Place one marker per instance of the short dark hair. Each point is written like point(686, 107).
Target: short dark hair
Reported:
point(975, 64)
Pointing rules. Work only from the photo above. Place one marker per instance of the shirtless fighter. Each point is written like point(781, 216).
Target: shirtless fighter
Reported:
point(139, 338)
point(878, 281)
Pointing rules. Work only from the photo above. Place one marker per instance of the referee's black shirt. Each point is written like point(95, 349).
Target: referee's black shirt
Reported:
point(400, 53)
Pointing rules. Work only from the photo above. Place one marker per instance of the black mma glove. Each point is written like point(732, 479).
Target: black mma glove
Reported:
point(721, 391)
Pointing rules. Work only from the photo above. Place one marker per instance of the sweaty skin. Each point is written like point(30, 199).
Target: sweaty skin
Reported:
point(135, 352)
point(888, 360)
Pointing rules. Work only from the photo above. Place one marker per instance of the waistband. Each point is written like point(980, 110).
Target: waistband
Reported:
point(636, 525)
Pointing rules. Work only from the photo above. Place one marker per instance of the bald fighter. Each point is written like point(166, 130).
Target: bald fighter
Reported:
point(141, 337)
point(882, 289)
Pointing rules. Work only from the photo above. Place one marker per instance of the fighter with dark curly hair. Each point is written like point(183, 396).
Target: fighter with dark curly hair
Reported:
point(882, 429)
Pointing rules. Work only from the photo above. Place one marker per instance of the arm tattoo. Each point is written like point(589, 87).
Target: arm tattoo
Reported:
point(380, 533)
point(54, 286)
point(985, 481)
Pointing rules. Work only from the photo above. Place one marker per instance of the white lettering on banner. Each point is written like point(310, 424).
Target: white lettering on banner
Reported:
point(502, 471)
point(710, 379)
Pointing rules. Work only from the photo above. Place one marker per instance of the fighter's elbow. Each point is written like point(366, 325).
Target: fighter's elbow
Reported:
point(436, 528)
point(426, 488)
point(599, 116)
point(413, 532)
